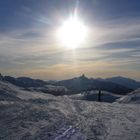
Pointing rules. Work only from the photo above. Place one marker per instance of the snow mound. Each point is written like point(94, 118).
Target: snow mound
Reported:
point(133, 98)
point(13, 92)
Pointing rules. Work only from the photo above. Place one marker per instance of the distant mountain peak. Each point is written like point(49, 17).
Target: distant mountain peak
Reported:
point(83, 77)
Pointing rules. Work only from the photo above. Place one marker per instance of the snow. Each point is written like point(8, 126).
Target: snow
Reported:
point(93, 96)
point(133, 98)
point(21, 93)
point(62, 118)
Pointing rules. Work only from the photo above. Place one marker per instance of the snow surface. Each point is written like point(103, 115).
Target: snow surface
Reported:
point(93, 96)
point(46, 117)
point(21, 93)
point(133, 98)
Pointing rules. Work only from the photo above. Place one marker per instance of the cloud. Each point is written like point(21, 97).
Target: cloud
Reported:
point(111, 48)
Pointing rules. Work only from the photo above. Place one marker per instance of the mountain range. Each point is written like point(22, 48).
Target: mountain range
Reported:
point(117, 85)
point(127, 82)
point(83, 83)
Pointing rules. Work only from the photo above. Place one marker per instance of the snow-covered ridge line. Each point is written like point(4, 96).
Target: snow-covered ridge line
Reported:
point(133, 97)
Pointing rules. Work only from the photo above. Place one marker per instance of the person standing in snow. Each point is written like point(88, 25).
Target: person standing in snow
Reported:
point(99, 96)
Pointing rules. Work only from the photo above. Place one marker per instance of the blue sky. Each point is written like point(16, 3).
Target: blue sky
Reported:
point(28, 45)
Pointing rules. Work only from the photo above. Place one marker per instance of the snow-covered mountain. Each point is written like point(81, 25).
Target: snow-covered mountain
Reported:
point(30, 115)
point(36, 85)
point(127, 82)
point(132, 98)
point(24, 81)
point(73, 86)
point(82, 83)
point(10, 92)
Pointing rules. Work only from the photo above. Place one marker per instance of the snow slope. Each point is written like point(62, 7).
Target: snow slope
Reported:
point(20, 93)
point(46, 117)
point(133, 98)
point(93, 96)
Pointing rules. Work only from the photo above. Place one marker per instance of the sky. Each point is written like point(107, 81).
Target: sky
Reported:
point(29, 47)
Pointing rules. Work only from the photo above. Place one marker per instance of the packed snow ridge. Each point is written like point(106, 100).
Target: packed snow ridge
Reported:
point(133, 97)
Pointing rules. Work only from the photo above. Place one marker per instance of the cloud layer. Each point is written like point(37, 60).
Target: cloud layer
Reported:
point(112, 48)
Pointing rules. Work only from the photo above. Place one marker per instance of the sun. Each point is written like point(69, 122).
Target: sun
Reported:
point(72, 33)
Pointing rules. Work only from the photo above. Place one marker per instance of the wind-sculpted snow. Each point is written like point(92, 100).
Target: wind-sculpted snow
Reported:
point(61, 118)
point(132, 98)
point(17, 92)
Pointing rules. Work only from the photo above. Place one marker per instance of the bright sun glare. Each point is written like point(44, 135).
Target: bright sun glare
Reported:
point(72, 33)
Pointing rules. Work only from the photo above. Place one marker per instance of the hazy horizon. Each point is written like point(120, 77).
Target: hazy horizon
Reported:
point(70, 77)
point(29, 46)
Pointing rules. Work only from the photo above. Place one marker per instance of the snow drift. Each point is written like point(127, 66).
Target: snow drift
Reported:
point(133, 98)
